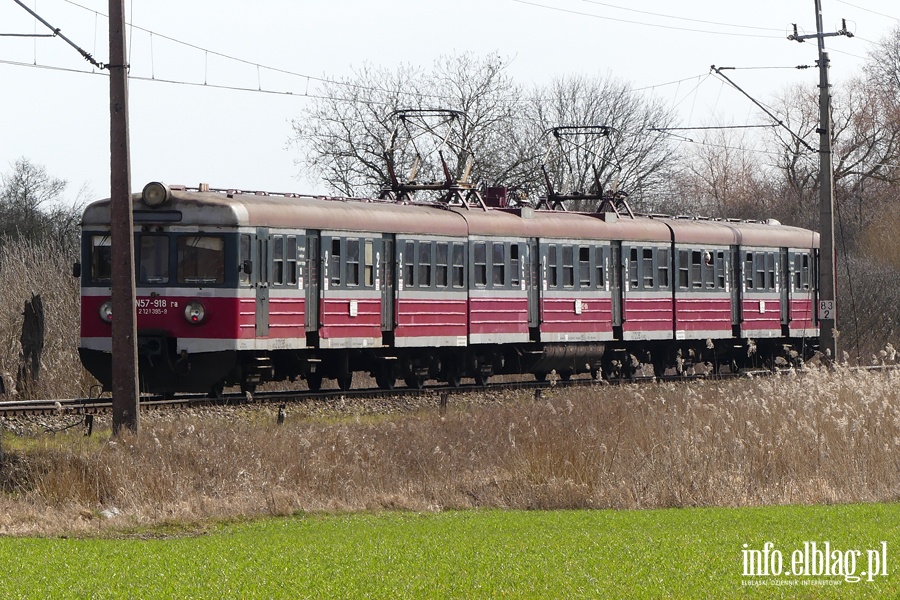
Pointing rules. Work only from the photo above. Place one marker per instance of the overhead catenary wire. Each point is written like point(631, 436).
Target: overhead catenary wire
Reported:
point(880, 14)
point(679, 18)
point(804, 143)
point(58, 33)
point(631, 22)
point(259, 89)
point(28, 35)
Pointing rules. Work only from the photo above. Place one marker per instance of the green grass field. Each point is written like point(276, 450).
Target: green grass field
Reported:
point(676, 553)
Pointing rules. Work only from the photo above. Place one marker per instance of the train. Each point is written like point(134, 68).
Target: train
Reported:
point(237, 288)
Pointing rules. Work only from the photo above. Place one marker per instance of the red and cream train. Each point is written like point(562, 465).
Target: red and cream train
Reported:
point(240, 288)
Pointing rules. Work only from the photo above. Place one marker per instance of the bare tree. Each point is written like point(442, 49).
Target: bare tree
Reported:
point(348, 133)
point(32, 206)
point(635, 156)
point(723, 177)
point(865, 149)
point(884, 64)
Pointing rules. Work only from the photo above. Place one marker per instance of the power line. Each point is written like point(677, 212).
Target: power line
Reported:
point(869, 10)
point(768, 125)
point(227, 56)
point(654, 14)
point(594, 16)
point(282, 71)
point(190, 83)
point(28, 35)
point(650, 87)
point(57, 32)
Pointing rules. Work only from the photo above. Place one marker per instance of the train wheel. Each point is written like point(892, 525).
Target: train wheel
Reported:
point(566, 375)
point(454, 375)
point(454, 378)
point(385, 380)
point(345, 381)
point(248, 388)
point(216, 391)
point(314, 382)
point(416, 382)
point(540, 376)
point(481, 378)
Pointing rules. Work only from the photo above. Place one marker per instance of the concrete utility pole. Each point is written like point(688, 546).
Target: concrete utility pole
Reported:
point(126, 397)
point(827, 309)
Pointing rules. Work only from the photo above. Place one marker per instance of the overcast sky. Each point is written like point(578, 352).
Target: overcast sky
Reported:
point(55, 110)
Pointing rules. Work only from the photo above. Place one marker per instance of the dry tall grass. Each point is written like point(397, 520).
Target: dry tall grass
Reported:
point(817, 437)
point(45, 269)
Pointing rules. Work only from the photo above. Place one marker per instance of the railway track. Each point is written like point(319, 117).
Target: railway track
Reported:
point(93, 406)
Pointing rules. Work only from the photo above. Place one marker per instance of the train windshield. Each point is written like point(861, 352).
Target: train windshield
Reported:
point(154, 259)
point(101, 259)
point(201, 259)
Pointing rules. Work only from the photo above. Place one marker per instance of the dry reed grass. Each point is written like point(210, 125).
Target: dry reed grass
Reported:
point(42, 268)
point(817, 437)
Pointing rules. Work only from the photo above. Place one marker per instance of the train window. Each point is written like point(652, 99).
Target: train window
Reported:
point(101, 259)
point(514, 271)
point(634, 266)
point(369, 274)
point(498, 264)
point(244, 276)
point(684, 274)
point(748, 271)
point(584, 266)
point(201, 259)
point(760, 281)
point(480, 263)
point(290, 259)
point(424, 264)
point(601, 267)
point(335, 263)
point(459, 265)
point(278, 260)
point(410, 265)
point(801, 272)
point(153, 259)
point(720, 270)
point(552, 266)
point(662, 262)
point(770, 270)
point(697, 269)
point(647, 267)
point(352, 262)
point(441, 264)
point(568, 266)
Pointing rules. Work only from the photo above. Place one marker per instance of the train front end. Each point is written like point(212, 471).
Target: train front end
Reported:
point(187, 300)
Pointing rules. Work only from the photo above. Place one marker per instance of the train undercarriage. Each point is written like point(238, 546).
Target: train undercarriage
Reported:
point(162, 372)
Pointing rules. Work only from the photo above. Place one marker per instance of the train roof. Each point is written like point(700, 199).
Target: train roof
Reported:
point(241, 209)
point(295, 212)
point(527, 222)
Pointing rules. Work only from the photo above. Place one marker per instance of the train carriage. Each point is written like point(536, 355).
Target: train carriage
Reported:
point(777, 265)
point(239, 288)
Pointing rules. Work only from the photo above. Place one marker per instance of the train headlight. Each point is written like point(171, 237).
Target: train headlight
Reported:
point(194, 312)
point(155, 194)
point(106, 311)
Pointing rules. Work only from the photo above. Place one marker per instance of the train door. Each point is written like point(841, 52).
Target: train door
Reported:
point(783, 282)
point(618, 287)
point(262, 282)
point(312, 282)
point(533, 281)
point(737, 286)
point(385, 280)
